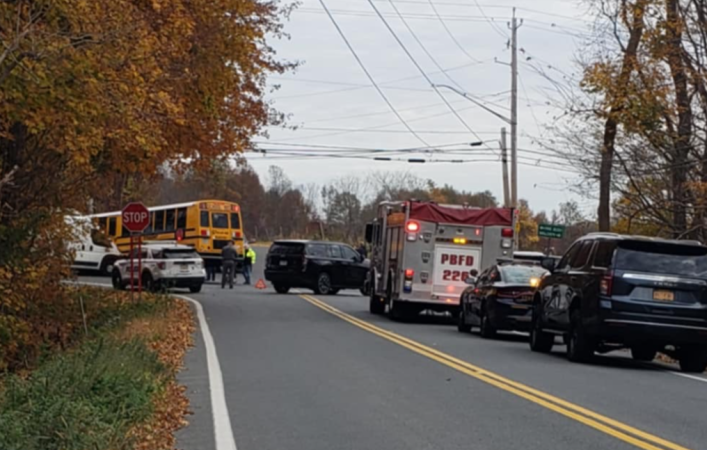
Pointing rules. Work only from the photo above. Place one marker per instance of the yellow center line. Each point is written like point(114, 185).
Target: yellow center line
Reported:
point(607, 425)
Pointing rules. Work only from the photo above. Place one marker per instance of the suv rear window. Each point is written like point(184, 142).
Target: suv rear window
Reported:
point(673, 259)
point(286, 249)
point(179, 254)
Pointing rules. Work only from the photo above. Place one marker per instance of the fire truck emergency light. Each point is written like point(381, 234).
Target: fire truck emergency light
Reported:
point(412, 226)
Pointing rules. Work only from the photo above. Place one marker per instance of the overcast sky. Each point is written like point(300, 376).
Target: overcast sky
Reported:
point(329, 95)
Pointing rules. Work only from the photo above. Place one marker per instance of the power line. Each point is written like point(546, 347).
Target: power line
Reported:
point(379, 126)
point(434, 61)
point(424, 74)
point(372, 130)
point(370, 77)
point(491, 22)
point(449, 32)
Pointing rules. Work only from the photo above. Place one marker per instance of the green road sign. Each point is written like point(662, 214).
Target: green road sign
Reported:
point(547, 230)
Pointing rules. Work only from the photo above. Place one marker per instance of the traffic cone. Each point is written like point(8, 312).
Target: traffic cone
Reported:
point(260, 284)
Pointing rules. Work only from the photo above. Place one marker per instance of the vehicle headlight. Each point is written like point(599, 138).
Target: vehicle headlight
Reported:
point(534, 282)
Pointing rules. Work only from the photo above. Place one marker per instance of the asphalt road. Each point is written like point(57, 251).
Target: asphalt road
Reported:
point(300, 375)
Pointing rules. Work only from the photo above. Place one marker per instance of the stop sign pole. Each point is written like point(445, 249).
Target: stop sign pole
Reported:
point(135, 217)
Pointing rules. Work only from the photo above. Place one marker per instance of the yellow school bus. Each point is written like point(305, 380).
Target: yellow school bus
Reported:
point(206, 225)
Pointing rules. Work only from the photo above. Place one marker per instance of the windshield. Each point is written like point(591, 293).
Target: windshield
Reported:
point(521, 274)
point(683, 260)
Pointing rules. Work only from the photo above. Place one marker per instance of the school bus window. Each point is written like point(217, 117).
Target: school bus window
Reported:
point(219, 220)
point(102, 222)
point(112, 226)
point(159, 220)
point(169, 220)
point(235, 220)
point(204, 220)
point(181, 218)
point(151, 225)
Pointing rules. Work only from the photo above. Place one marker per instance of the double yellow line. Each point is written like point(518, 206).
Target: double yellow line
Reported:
point(612, 427)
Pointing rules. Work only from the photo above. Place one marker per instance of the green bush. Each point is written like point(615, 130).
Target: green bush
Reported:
point(86, 399)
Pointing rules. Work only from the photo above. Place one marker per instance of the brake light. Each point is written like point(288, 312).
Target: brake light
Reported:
point(238, 234)
point(407, 283)
point(162, 265)
point(412, 226)
point(507, 232)
point(205, 233)
point(606, 283)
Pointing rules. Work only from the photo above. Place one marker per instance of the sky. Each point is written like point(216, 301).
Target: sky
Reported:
point(329, 94)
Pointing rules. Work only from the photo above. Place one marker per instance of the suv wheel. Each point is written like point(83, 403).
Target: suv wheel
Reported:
point(540, 341)
point(117, 280)
point(693, 359)
point(323, 284)
point(580, 346)
point(488, 331)
point(643, 353)
point(280, 289)
point(148, 283)
point(195, 288)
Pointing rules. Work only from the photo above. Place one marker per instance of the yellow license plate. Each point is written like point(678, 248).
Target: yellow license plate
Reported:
point(664, 296)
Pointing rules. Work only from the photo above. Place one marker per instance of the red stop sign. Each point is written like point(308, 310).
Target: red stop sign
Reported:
point(135, 217)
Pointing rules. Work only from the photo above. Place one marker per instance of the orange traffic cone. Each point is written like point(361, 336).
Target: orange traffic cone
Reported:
point(260, 284)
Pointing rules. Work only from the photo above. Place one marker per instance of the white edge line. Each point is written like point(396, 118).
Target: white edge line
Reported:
point(223, 433)
point(692, 377)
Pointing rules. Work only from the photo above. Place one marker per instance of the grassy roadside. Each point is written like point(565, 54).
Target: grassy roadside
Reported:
point(113, 389)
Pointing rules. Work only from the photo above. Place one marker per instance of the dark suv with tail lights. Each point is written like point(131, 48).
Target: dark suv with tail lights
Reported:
point(324, 267)
point(611, 291)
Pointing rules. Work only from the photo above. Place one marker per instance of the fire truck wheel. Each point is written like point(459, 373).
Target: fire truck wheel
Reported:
point(376, 305)
point(323, 286)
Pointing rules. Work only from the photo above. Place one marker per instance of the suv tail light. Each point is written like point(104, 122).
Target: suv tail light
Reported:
point(606, 283)
point(162, 265)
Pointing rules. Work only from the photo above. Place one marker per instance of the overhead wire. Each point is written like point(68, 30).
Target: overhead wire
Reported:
point(449, 32)
point(495, 27)
point(370, 77)
point(416, 64)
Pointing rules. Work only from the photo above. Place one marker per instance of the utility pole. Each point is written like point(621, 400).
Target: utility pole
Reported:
point(504, 163)
point(514, 109)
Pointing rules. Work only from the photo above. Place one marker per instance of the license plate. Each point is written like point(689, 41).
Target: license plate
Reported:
point(664, 296)
point(185, 268)
point(283, 263)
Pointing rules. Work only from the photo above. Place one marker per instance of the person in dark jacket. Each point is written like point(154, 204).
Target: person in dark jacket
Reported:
point(229, 255)
point(362, 251)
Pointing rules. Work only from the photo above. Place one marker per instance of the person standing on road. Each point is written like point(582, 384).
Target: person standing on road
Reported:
point(210, 272)
point(248, 262)
point(229, 255)
point(362, 251)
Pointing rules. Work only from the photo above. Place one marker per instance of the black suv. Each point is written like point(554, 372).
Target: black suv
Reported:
point(324, 267)
point(610, 291)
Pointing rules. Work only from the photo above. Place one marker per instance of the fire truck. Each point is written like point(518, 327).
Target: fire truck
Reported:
point(423, 253)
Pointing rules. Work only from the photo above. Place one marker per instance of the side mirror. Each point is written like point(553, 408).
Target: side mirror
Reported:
point(470, 280)
point(369, 233)
point(549, 264)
